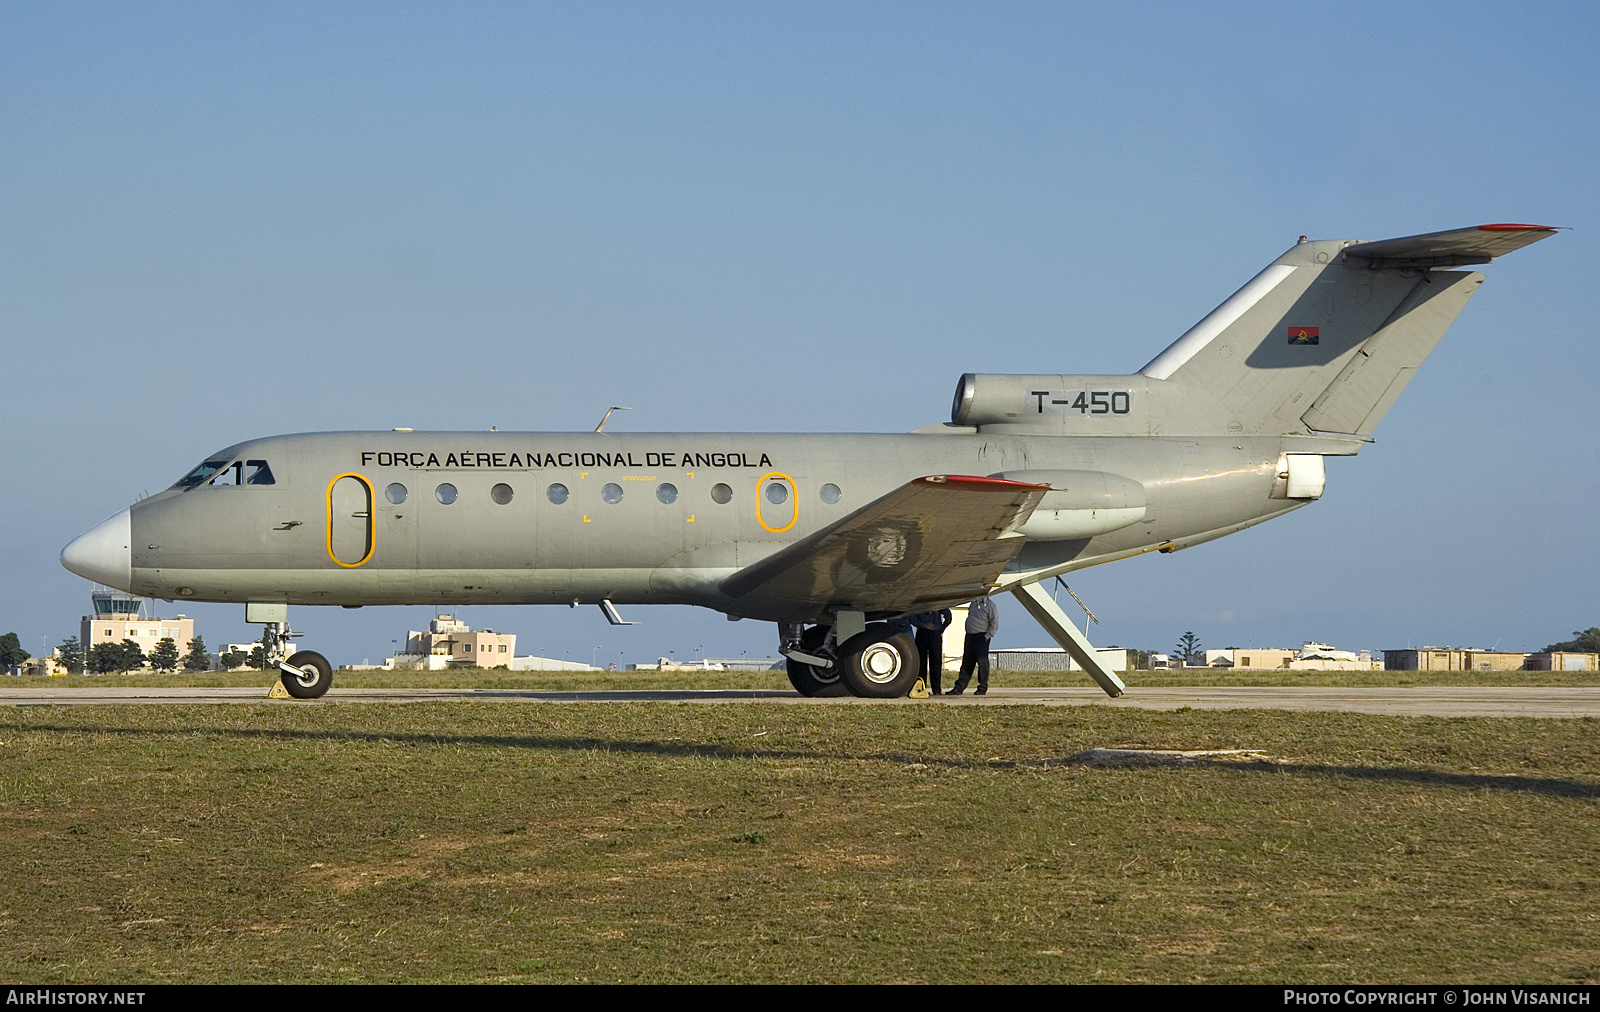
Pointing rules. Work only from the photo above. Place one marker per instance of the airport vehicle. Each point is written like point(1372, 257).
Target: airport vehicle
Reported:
point(831, 536)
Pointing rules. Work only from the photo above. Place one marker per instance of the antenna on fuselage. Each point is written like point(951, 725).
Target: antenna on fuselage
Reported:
point(602, 426)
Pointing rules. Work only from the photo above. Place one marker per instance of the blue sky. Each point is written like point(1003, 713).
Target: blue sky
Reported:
point(226, 221)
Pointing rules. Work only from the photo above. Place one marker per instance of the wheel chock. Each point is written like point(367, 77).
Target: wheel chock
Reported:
point(278, 691)
point(919, 690)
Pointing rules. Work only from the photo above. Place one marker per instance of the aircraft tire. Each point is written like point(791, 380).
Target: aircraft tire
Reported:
point(315, 679)
point(879, 663)
point(810, 680)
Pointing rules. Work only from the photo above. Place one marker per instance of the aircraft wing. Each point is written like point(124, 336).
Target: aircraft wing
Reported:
point(1477, 245)
point(933, 542)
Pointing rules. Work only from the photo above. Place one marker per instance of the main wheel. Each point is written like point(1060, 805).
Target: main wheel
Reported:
point(879, 663)
point(808, 679)
point(313, 677)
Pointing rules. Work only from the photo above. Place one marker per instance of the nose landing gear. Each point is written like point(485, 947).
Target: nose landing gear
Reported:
point(305, 674)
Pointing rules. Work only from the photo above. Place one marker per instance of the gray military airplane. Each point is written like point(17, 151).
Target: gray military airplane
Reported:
point(830, 536)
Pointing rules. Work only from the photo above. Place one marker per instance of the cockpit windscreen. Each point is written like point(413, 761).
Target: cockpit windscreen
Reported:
point(224, 472)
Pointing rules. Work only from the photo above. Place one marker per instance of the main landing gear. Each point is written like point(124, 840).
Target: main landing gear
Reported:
point(876, 663)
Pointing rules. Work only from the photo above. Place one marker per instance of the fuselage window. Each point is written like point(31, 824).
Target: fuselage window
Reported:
point(557, 493)
point(200, 474)
point(395, 493)
point(445, 493)
point(612, 492)
point(830, 493)
point(501, 493)
point(777, 492)
point(667, 492)
point(721, 493)
point(233, 474)
point(256, 472)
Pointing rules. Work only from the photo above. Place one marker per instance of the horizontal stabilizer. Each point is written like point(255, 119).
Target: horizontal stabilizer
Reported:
point(932, 542)
point(1477, 245)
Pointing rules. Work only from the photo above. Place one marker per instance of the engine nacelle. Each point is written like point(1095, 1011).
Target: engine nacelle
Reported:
point(1080, 504)
point(1113, 405)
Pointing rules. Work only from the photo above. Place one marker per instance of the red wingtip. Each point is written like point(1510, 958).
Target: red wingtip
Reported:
point(1509, 227)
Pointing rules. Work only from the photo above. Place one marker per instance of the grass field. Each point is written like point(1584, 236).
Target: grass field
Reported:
point(658, 842)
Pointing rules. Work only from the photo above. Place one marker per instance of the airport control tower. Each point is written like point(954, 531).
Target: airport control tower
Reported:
point(119, 616)
point(116, 604)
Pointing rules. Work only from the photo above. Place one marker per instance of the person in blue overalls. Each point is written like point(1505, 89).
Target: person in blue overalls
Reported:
point(930, 627)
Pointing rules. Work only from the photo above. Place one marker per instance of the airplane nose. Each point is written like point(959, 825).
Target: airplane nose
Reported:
point(104, 553)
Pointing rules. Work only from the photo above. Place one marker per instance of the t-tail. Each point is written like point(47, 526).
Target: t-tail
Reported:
point(1320, 342)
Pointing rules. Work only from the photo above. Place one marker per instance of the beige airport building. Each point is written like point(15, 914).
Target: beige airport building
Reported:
point(456, 644)
point(449, 642)
point(1459, 659)
point(119, 616)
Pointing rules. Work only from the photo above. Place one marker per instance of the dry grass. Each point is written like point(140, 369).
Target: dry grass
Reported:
point(653, 842)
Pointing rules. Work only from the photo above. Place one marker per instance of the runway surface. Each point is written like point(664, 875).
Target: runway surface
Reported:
point(1438, 701)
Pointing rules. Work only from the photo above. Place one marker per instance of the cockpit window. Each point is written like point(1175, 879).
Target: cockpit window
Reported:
point(233, 474)
point(201, 474)
point(256, 472)
point(223, 472)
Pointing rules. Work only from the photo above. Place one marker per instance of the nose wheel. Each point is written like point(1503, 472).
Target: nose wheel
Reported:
point(306, 675)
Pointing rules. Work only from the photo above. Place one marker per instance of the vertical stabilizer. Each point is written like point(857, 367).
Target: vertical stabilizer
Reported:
point(1257, 362)
point(1326, 337)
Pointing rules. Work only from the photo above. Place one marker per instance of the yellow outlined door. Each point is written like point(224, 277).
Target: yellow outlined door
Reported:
point(350, 520)
point(777, 505)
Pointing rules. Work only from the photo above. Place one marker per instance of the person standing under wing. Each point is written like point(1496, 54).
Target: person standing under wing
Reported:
point(983, 621)
point(930, 626)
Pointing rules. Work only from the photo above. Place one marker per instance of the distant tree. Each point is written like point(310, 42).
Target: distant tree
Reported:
point(70, 653)
point(11, 652)
point(257, 658)
point(1189, 649)
point(1582, 642)
point(132, 656)
point(230, 659)
point(104, 658)
point(165, 656)
point(197, 659)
